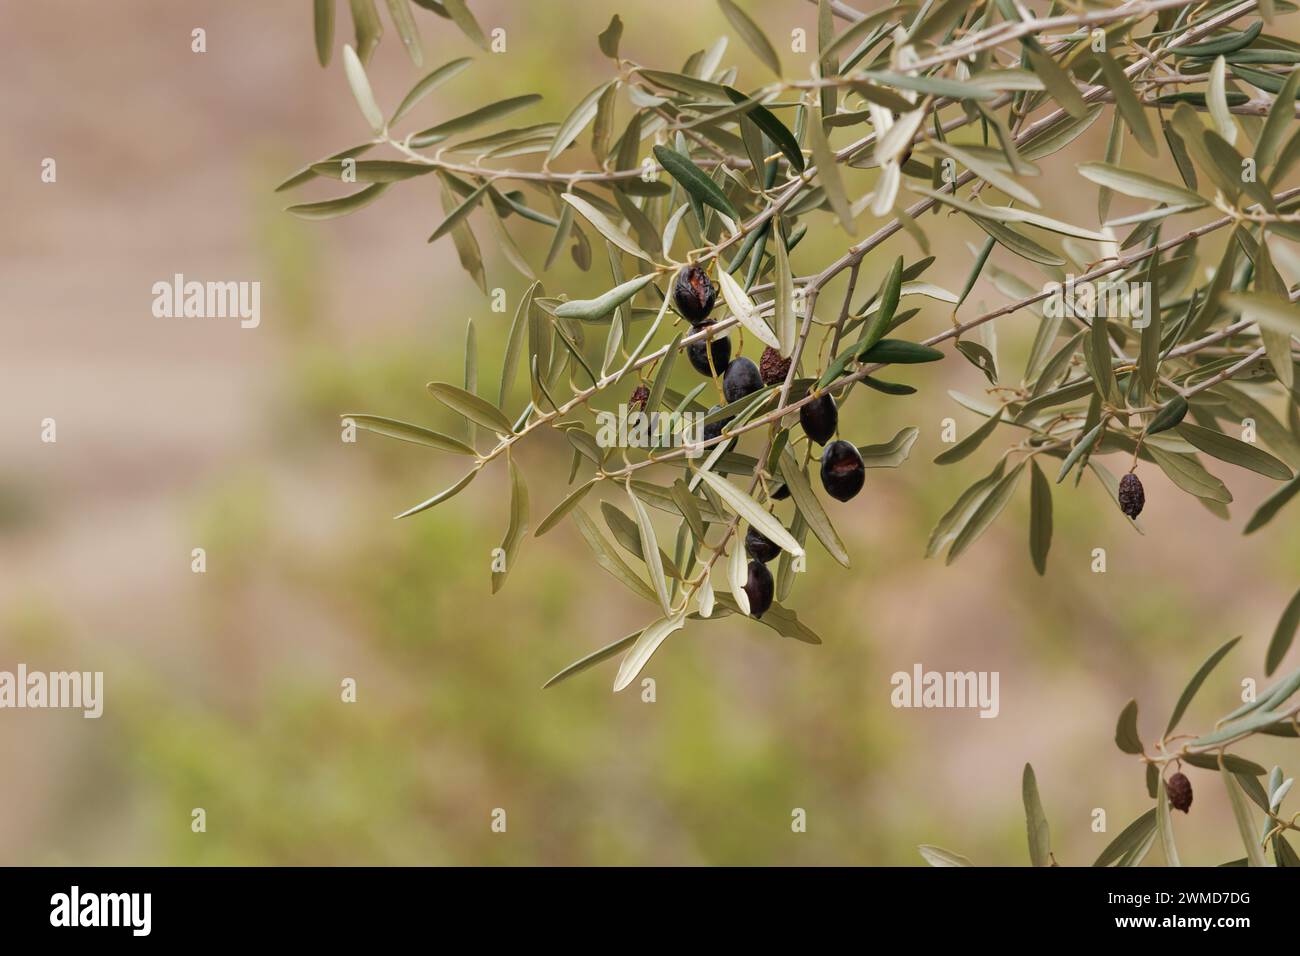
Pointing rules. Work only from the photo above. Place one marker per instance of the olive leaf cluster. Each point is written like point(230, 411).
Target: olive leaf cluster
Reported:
point(915, 115)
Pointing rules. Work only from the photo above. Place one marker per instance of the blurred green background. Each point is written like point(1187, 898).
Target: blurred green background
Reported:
point(223, 689)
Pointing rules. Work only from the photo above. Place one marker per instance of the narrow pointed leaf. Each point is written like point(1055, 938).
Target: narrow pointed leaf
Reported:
point(416, 434)
point(828, 172)
point(458, 214)
point(333, 208)
point(605, 227)
point(570, 502)
point(1130, 841)
point(518, 527)
point(1265, 513)
point(938, 856)
point(1197, 680)
point(1245, 823)
point(1127, 102)
point(643, 649)
point(1126, 732)
point(810, 507)
point(751, 33)
point(985, 514)
point(1234, 451)
point(971, 442)
point(476, 409)
point(1165, 826)
point(595, 657)
point(461, 16)
point(427, 85)
point(356, 74)
point(1140, 185)
point(467, 121)
point(609, 559)
point(441, 496)
point(1040, 839)
point(400, 12)
point(1040, 518)
point(324, 28)
point(694, 181)
point(650, 550)
point(1283, 635)
point(749, 509)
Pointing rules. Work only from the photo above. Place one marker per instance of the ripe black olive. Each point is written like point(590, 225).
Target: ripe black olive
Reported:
point(714, 429)
point(1132, 498)
point(820, 418)
point(759, 588)
point(759, 547)
point(842, 470)
point(637, 402)
point(721, 349)
point(741, 379)
point(1179, 789)
point(693, 294)
point(781, 492)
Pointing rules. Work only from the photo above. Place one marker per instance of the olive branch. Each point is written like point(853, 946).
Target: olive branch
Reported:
point(705, 174)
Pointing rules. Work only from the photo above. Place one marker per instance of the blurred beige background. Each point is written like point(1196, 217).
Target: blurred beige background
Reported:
point(223, 688)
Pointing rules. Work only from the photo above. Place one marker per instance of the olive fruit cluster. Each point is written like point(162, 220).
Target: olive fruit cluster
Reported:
point(693, 297)
point(759, 585)
point(842, 469)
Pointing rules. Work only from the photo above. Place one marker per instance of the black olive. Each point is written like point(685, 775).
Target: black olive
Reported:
point(820, 418)
point(842, 470)
point(1179, 789)
point(637, 402)
point(781, 493)
point(741, 379)
point(1132, 498)
point(721, 349)
point(759, 547)
point(693, 294)
point(759, 588)
point(714, 429)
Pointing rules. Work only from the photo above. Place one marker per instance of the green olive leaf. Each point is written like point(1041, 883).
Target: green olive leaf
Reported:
point(1197, 680)
point(333, 208)
point(753, 36)
point(971, 442)
point(476, 409)
point(1283, 635)
point(441, 496)
point(640, 652)
point(1132, 843)
point(810, 508)
point(1040, 518)
point(427, 85)
point(517, 529)
point(1165, 826)
point(405, 431)
point(1040, 840)
point(1126, 732)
